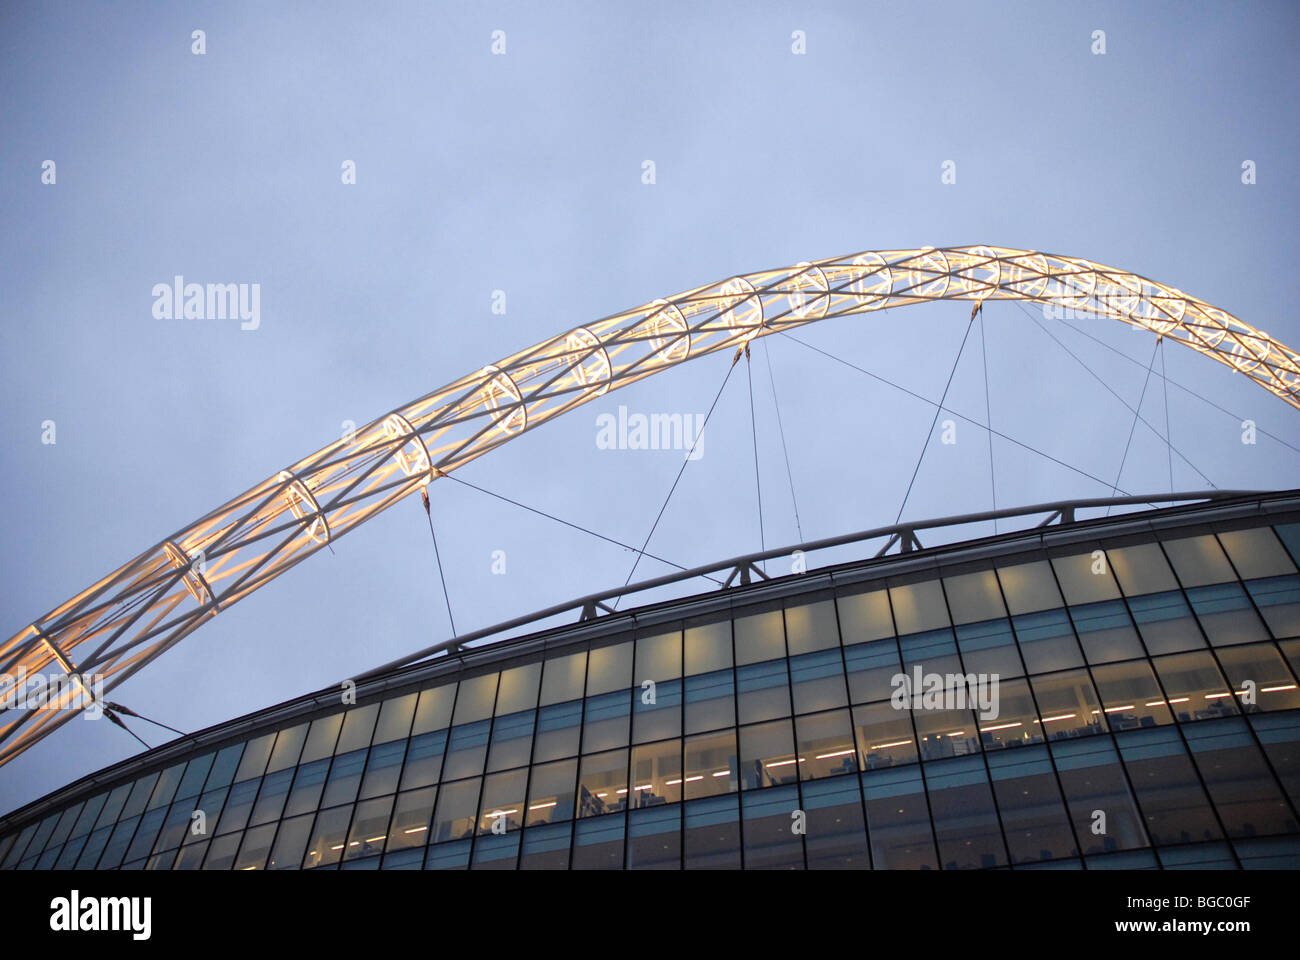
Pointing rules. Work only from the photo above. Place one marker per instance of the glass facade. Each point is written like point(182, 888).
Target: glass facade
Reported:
point(1147, 716)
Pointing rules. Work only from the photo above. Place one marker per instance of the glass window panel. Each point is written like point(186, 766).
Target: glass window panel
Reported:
point(448, 856)
point(94, 847)
point(1102, 809)
point(934, 651)
point(864, 616)
point(1256, 553)
point(116, 800)
point(383, 769)
point(606, 721)
point(71, 852)
point(769, 842)
point(1291, 650)
point(817, 681)
point(20, 845)
point(211, 803)
point(1278, 599)
point(433, 710)
point(519, 689)
point(165, 789)
point(1166, 623)
point(223, 768)
point(174, 826)
point(43, 834)
point(884, 736)
point(546, 848)
point(476, 698)
point(86, 819)
point(710, 701)
point(767, 756)
point(598, 843)
point(466, 750)
point(345, 778)
point(836, 837)
point(988, 647)
point(1085, 577)
point(1047, 641)
point(271, 798)
point(711, 834)
point(764, 691)
point(1199, 561)
point(234, 816)
point(1141, 568)
point(395, 718)
point(1069, 705)
point(1106, 632)
point(411, 814)
point(196, 773)
point(946, 733)
point(661, 719)
point(1226, 614)
point(1017, 723)
point(63, 827)
point(288, 745)
point(707, 647)
point(919, 607)
point(965, 824)
point(602, 784)
point(1029, 587)
point(609, 668)
point(1261, 664)
point(659, 657)
point(256, 754)
point(255, 847)
point(1033, 812)
point(1289, 534)
point(117, 843)
point(654, 838)
point(326, 841)
point(1244, 791)
point(871, 669)
point(759, 636)
point(898, 820)
point(512, 741)
point(1168, 791)
point(1279, 735)
point(307, 788)
point(563, 678)
point(1202, 856)
point(503, 798)
point(824, 742)
point(457, 810)
point(1196, 689)
point(711, 764)
point(424, 760)
point(552, 793)
point(656, 773)
point(358, 726)
point(811, 626)
point(145, 834)
point(1130, 696)
point(1280, 853)
point(558, 728)
point(974, 596)
point(494, 852)
point(321, 739)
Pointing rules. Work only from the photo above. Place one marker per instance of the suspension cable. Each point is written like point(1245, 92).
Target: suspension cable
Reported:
point(687, 459)
point(753, 427)
point(771, 378)
point(930, 433)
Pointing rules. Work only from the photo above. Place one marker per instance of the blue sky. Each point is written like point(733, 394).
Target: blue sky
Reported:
point(522, 173)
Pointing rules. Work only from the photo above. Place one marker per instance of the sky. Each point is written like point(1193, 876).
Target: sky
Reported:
point(522, 172)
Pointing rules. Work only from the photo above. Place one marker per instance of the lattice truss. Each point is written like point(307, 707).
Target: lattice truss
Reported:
point(126, 620)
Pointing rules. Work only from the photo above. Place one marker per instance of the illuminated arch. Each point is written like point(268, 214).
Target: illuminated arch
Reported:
point(124, 621)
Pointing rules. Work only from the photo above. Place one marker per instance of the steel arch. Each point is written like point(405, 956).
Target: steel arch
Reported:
point(118, 625)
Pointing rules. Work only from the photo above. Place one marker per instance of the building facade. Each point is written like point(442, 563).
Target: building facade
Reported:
point(1125, 697)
